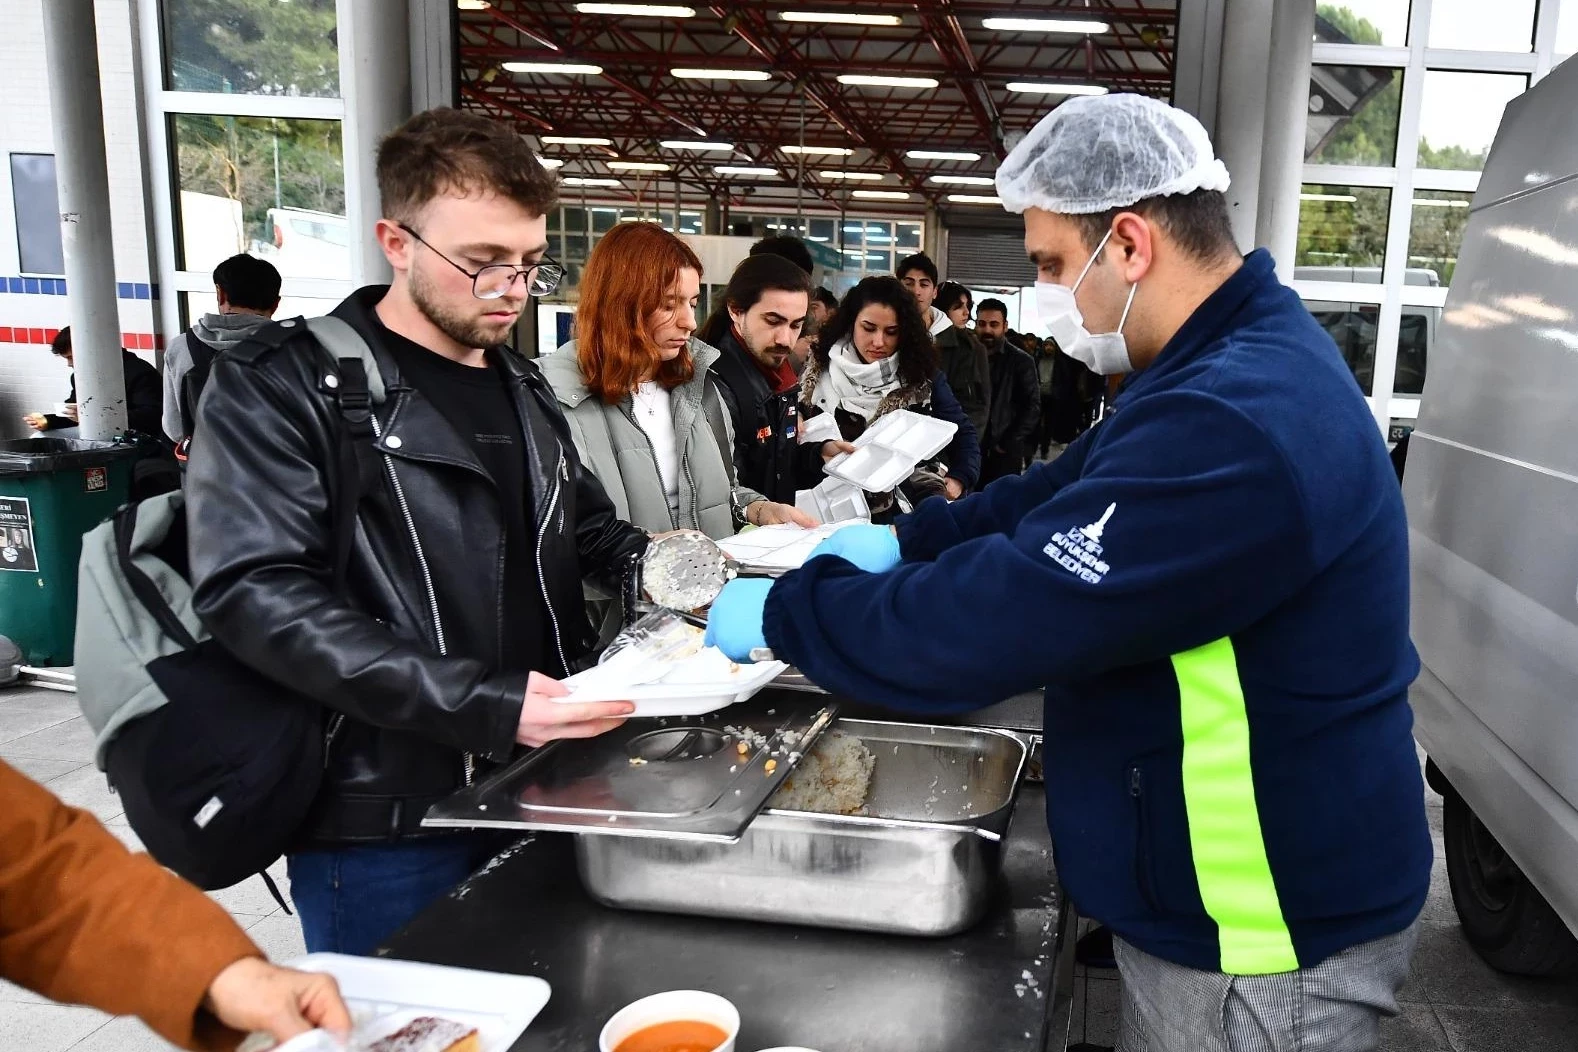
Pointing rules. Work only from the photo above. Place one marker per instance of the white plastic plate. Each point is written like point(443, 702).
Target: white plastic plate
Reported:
point(670, 692)
point(890, 450)
point(775, 550)
point(378, 989)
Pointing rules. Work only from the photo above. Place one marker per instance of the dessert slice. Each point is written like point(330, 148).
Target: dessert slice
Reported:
point(430, 1034)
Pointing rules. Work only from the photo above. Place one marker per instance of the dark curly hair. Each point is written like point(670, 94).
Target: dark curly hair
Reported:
point(917, 354)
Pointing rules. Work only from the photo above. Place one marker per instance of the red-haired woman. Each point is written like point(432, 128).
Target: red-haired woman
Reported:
point(645, 419)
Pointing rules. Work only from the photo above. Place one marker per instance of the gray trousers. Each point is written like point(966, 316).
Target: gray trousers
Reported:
point(1336, 1006)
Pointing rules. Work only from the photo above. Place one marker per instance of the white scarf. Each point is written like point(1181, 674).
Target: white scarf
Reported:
point(853, 385)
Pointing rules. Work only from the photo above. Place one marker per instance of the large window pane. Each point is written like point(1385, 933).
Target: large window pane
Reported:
point(1567, 29)
point(1353, 115)
point(1353, 327)
point(251, 47)
point(1362, 22)
point(1342, 227)
point(1435, 233)
point(1460, 114)
point(1507, 25)
point(272, 187)
point(37, 213)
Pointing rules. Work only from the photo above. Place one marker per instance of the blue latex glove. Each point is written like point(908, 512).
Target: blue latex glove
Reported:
point(874, 549)
point(734, 624)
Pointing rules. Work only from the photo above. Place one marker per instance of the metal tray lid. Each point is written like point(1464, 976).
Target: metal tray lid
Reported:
point(682, 778)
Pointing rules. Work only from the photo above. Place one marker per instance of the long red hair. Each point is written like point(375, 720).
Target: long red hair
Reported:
point(627, 279)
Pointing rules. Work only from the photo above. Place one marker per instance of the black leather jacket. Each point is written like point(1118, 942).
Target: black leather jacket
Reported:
point(412, 691)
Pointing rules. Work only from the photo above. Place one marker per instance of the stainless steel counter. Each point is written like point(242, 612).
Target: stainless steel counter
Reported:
point(991, 987)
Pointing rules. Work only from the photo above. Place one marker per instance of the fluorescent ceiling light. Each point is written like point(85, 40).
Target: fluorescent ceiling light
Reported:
point(834, 151)
point(869, 176)
point(576, 140)
point(551, 162)
point(840, 19)
point(639, 219)
point(965, 180)
point(687, 144)
point(638, 166)
point(863, 80)
point(583, 69)
point(1038, 88)
point(941, 155)
point(471, 5)
point(974, 199)
point(721, 74)
point(1344, 199)
point(578, 181)
point(882, 195)
point(1045, 25)
point(735, 169)
point(639, 10)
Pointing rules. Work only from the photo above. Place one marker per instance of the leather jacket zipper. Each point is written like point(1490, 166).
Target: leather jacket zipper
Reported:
point(468, 762)
point(561, 474)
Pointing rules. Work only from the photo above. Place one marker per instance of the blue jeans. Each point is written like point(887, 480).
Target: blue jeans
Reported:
point(352, 899)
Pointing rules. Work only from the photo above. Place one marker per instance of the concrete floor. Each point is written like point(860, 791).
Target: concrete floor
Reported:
point(1453, 1003)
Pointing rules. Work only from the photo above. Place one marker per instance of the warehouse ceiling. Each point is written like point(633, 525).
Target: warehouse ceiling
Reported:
point(581, 72)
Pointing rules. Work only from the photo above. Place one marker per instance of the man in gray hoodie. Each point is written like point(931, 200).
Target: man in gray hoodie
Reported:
point(248, 292)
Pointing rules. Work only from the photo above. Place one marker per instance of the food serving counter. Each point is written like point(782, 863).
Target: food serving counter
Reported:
point(1001, 984)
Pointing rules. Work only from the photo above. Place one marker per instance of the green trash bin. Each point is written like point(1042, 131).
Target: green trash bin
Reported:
point(52, 491)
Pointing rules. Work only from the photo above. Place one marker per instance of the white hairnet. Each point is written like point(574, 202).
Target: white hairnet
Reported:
point(1096, 153)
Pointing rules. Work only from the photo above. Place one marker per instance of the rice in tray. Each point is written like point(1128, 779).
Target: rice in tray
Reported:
point(833, 778)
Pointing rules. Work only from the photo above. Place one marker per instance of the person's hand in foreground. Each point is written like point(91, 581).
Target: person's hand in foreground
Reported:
point(771, 513)
point(36, 421)
point(544, 719)
point(874, 549)
point(954, 488)
point(734, 624)
point(253, 994)
point(835, 448)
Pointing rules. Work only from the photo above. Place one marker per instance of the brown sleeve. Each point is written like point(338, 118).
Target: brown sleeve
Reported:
point(83, 920)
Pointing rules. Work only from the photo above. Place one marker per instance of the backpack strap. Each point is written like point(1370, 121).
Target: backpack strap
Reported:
point(141, 585)
point(194, 378)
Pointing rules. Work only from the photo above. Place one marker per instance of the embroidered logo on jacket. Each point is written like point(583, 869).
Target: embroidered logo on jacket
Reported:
point(1079, 551)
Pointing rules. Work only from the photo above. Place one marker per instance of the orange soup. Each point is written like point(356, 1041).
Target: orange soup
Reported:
point(680, 1036)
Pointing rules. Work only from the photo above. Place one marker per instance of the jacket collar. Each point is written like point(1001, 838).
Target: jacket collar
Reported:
point(1213, 319)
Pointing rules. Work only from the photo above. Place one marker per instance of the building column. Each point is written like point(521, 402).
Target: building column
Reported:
point(1241, 109)
point(433, 81)
point(1287, 112)
point(71, 52)
point(375, 81)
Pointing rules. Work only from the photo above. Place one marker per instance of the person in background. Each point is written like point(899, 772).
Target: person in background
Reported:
point(1016, 397)
point(85, 921)
point(878, 358)
point(823, 304)
point(1232, 780)
point(144, 396)
point(919, 276)
point(788, 247)
point(962, 355)
point(462, 603)
point(761, 314)
point(247, 290)
point(633, 385)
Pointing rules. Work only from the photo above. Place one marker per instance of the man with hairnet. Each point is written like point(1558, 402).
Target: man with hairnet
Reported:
point(1232, 785)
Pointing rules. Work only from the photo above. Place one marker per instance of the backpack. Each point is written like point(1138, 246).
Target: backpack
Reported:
point(194, 379)
point(216, 764)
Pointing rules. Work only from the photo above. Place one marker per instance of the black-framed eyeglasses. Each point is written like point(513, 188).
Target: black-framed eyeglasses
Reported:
point(495, 280)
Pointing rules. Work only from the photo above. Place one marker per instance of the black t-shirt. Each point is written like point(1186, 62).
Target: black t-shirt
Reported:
point(478, 406)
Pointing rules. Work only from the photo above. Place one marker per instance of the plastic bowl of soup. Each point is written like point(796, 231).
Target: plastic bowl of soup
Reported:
point(676, 1021)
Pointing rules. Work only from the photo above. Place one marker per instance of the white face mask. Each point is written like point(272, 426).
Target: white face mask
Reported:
point(1106, 353)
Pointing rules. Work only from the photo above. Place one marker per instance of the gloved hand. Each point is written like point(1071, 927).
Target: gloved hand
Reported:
point(734, 623)
point(875, 549)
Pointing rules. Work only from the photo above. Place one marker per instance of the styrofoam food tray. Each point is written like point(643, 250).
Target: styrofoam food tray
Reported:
point(670, 689)
point(775, 550)
point(377, 989)
point(890, 450)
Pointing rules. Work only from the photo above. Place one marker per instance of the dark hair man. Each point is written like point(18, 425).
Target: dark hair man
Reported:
point(823, 304)
point(756, 326)
point(142, 392)
point(247, 290)
point(1212, 586)
point(463, 604)
point(1016, 395)
point(788, 247)
point(962, 356)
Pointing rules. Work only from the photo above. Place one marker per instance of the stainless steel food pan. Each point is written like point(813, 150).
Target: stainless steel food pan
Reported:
point(923, 863)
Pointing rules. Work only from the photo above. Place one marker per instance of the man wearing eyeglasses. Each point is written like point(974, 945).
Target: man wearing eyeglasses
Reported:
point(461, 607)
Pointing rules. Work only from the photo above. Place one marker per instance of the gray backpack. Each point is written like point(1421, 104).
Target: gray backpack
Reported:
point(216, 763)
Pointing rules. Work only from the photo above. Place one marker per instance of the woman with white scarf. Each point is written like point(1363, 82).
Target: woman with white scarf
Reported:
point(875, 356)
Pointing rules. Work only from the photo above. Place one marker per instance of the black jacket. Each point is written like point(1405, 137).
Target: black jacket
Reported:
point(964, 363)
point(144, 398)
point(765, 424)
point(403, 722)
point(1016, 399)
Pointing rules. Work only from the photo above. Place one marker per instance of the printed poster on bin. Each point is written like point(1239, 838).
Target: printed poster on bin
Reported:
point(16, 536)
